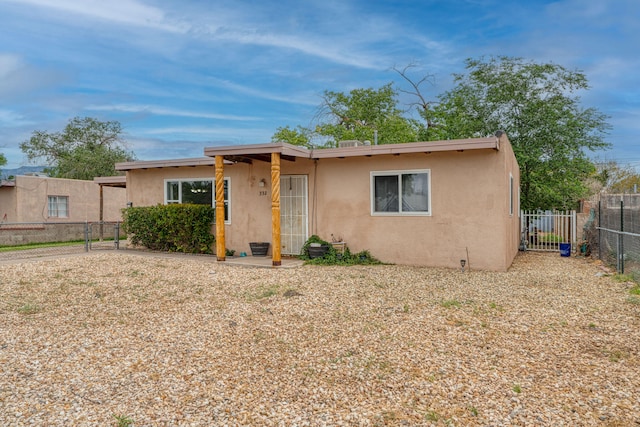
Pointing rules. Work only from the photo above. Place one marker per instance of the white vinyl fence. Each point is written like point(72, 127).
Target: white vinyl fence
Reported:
point(548, 230)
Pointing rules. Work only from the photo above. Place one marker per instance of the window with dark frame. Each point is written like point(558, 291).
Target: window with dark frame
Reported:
point(401, 192)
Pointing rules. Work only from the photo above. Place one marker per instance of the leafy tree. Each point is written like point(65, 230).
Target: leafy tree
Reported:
point(86, 148)
point(537, 107)
point(614, 178)
point(299, 136)
point(3, 161)
point(359, 115)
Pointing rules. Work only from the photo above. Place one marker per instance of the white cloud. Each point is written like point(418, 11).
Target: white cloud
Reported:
point(8, 65)
point(20, 78)
point(203, 130)
point(257, 93)
point(10, 118)
point(162, 111)
point(129, 12)
point(321, 47)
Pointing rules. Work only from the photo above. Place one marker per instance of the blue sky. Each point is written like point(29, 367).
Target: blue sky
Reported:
point(183, 75)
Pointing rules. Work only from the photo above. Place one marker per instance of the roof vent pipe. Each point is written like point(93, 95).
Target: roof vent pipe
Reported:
point(375, 137)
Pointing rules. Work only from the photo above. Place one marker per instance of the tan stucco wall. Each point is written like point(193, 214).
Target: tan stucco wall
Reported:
point(31, 193)
point(114, 200)
point(8, 204)
point(470, 210)
point(470, 205)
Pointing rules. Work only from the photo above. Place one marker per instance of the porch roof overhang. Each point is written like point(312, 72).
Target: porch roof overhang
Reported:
point(262, 152)
point(259, 152)
point(111, 181)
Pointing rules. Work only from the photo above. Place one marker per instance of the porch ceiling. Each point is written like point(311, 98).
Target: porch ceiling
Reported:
point(250, 158)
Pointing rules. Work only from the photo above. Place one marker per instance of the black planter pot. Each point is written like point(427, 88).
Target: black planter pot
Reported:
point(317, 251)
point(259, 248)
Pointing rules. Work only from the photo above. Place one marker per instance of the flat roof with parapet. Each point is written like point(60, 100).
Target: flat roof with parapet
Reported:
point(262, 152)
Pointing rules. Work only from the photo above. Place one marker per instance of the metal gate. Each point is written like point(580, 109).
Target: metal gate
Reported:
point(103, 235)
point(546, 230)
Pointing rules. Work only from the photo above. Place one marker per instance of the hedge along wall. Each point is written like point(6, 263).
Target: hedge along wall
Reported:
point(174, 228)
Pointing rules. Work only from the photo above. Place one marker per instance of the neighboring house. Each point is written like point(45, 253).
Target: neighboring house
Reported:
point(425, 203)
point(37, 199)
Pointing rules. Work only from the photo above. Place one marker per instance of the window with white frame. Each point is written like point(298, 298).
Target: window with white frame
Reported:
point(401, 192)
point(58, 206)
point(196, 191)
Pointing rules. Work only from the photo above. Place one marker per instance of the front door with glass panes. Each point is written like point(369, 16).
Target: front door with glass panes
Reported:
point(293, 213)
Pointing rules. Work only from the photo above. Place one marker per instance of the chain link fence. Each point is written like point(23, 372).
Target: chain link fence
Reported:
point(614, 234)
point(32, 240)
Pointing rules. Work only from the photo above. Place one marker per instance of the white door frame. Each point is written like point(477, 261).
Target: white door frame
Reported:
point(294, 213)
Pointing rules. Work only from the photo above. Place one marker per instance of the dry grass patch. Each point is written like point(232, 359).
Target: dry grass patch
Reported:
point(122, 339)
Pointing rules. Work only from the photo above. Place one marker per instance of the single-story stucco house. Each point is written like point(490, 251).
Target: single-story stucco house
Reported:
point(424, 203)
point(41, 199)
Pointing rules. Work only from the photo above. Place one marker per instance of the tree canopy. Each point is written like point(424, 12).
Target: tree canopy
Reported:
point(85, 149)
point(615, 178)
point(361, 114)
point(298, 136)
point(3, 160)
point(537, 106)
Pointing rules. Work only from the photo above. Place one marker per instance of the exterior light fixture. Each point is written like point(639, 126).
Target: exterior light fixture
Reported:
point(462, 263)
point(262, 183)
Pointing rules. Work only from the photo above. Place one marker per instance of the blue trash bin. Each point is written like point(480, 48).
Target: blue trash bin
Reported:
point(565, 249)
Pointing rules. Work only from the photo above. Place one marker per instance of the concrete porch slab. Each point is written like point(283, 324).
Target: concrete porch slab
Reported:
point(262, 262)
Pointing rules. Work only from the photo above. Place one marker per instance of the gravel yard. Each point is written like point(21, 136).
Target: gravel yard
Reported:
point(185, 341)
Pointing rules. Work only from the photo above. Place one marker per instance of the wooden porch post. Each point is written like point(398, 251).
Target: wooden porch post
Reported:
point(275, 209)
point(220, 244)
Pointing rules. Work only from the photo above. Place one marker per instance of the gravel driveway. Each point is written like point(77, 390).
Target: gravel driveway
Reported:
point(109, 338)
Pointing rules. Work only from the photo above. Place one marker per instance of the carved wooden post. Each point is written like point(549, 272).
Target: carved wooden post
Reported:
point(220, 244)
point(275, 209)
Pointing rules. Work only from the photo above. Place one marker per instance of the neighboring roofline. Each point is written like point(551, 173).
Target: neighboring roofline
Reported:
point(7, 183)
point(111, 181)
point(173, 163)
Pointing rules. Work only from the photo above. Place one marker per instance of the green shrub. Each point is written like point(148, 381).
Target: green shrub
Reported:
point(550, 238)
point(304, 252)
point(175, 228)
point(333, 257)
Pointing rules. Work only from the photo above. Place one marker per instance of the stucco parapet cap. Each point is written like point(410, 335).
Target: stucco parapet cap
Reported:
point(150, 164)
point(364, 150)
point(411, 147)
